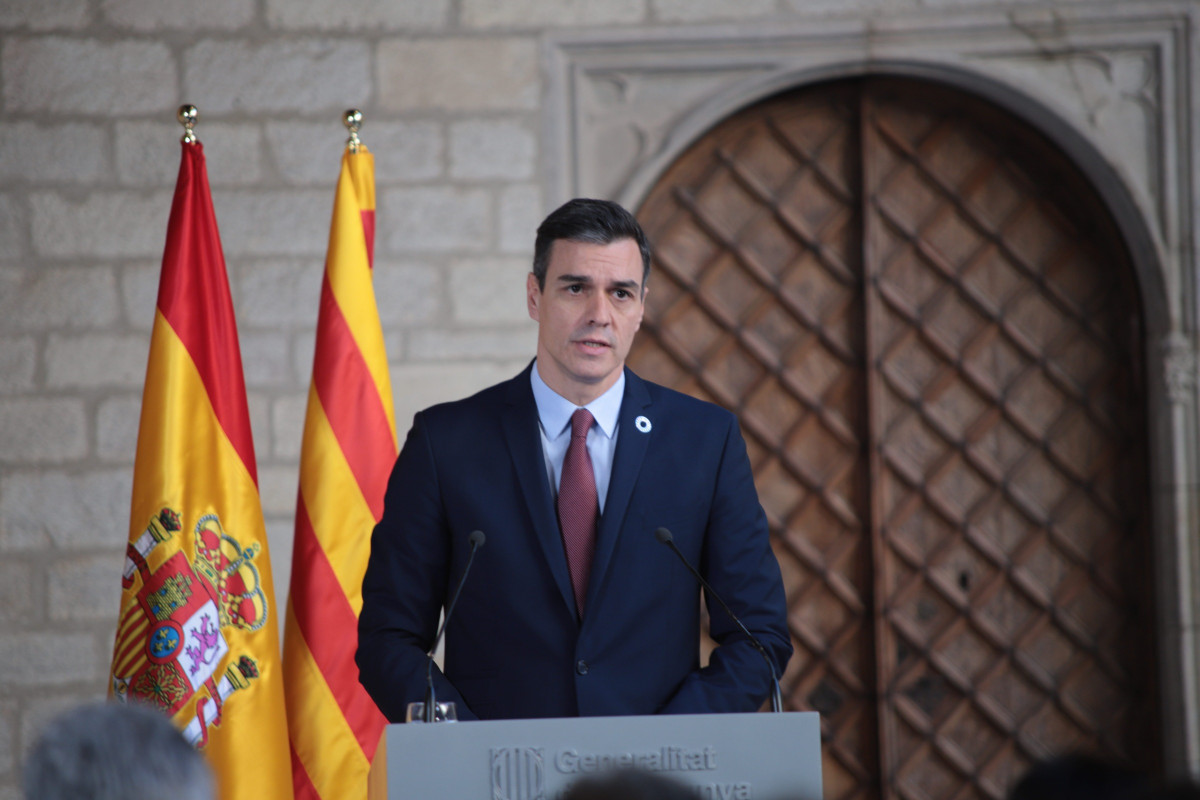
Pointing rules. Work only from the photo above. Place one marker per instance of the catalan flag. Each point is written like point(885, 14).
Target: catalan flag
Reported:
point(198, 635)
point(346, 456)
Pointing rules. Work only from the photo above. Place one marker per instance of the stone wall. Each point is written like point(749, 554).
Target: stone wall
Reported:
point(454, 94)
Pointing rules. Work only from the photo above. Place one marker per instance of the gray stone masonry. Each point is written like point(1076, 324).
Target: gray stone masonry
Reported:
point(456, 96)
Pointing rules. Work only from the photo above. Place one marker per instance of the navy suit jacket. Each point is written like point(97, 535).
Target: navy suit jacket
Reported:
point(515, 646)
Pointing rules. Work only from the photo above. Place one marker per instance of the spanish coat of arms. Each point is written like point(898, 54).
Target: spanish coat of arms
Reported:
point(171, 645)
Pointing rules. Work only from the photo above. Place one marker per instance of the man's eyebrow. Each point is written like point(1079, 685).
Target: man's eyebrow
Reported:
point(629, 285)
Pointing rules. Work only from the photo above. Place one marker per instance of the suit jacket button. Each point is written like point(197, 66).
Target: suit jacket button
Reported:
point(581, 667)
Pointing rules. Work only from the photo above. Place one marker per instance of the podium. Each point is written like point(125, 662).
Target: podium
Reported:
point(724, 756)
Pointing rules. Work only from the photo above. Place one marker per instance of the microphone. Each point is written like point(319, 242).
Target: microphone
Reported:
point(664, 536)
point(476, 540)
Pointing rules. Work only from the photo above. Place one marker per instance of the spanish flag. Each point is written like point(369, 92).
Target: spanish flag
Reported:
point(346, 456)
point(198, 632)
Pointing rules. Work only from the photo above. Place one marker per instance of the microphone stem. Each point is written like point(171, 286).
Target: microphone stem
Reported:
point(430, 696)
point(776, 692)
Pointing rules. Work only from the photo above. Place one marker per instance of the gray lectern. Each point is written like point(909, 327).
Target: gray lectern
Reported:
point(725, 756)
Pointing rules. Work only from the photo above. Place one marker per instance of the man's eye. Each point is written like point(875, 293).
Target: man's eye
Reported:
point(575, 288)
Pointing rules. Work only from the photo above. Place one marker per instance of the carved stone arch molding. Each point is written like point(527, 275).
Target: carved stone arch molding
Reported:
point(1113, 87)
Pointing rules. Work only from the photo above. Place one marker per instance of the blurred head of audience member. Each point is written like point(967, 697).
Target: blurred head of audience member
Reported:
point(1079, 776)
point(628, 784)
point(110, 751)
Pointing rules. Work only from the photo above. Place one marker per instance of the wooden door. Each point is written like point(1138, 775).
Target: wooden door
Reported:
point(930, 331)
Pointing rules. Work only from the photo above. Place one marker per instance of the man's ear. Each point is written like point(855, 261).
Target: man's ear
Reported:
point(533, 294)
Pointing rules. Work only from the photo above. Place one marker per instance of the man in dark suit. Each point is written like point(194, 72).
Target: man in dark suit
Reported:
point(573, 607)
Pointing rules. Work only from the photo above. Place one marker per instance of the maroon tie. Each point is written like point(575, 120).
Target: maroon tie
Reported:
point(578, 507)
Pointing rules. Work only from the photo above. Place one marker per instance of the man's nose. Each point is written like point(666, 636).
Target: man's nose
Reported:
point(599, 312)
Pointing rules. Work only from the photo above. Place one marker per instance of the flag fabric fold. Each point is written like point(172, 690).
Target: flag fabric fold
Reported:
point(346, 455)
point(198, 634)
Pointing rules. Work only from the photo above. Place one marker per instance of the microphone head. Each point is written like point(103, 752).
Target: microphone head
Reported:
point(664, 536)
point(477, 539)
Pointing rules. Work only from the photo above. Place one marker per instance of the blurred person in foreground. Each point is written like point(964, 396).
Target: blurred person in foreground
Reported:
point(1080, 776)
point(629, 784)
point(112, 751)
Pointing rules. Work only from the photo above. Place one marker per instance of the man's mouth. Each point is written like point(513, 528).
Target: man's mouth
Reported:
point(593, 344)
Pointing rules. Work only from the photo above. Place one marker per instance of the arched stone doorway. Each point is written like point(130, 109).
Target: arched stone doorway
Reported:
point(931, 332)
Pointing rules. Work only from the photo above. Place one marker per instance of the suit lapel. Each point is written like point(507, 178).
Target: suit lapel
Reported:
point(627, 463)
point(522, 434)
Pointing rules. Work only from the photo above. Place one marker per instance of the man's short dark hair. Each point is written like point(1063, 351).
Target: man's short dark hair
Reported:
point(590, 221)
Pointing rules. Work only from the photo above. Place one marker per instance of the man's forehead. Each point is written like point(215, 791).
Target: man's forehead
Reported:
point(619, 260)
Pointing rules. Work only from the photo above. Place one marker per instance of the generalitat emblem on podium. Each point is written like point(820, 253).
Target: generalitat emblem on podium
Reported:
point(171, 642)
point(518, 773)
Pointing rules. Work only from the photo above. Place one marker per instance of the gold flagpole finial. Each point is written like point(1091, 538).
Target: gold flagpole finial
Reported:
point(352, 119)
point(187, 116)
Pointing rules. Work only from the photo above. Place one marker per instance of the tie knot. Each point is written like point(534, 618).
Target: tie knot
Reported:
point(581, 423)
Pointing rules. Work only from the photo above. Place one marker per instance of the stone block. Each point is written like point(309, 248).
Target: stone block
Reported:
point(42, 430)
point(434, 219)
point(303, 346)
point(417, 386)
point(260, 423)
point(462, 74)
point(61, 297)
point(85, 587)
point(257, 223)
point(407, 151)
point(710, 10)
point(46, 15)
point(395, 343)
point(408, 293)
point(101, 225)
point(10, 754)
point(489, 149)
point(48, 659)
point(550, 13)
point(48, 153)
point(97, 360)
point(281, 532)
point(166, 15)
point(14, 227)
point(57, 74)
point(362, 15)
point(520, 213)
point(64, 511)
point(265, 359)
point(139, 293)
point(277, 486)
point(18, 364)
point(294, 75)
point(830, 7)
point(500, 343)
point(117, 420)
point(311, 153)
point(148, 153)
point(489, 291)
point(274, 294)
point(287, 424)
point(19, 599)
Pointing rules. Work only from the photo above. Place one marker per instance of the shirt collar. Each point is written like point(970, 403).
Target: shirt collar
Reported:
point(555, 411)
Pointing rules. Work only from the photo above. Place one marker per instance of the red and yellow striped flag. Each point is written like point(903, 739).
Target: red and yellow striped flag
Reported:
point(346, 456)
point(197, 634)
